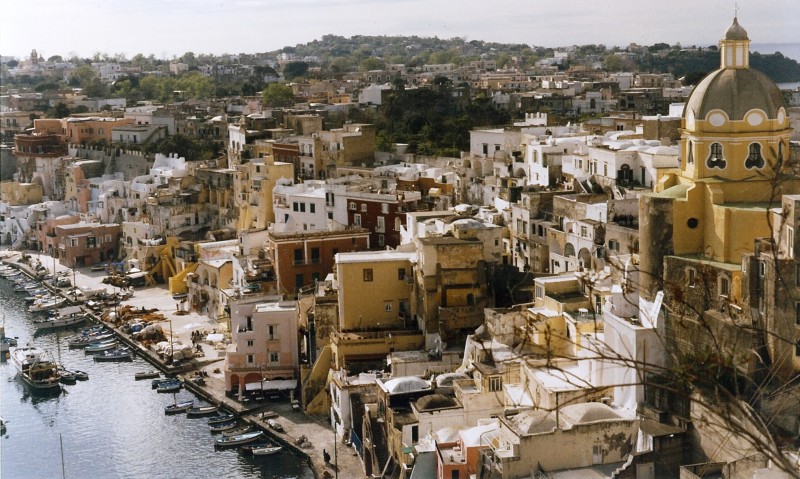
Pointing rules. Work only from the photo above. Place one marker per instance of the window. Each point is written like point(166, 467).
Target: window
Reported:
point(401, 273)
point(315, 258)
point(298, 256)
point(250, 343)
point(295, 206)
point(454, 473)
point(249, 324)
point(387, 306)
point(312, 208)
point(108, 238)
point(691, 277)
point(251, 359)
point(272, 332)
point(690, 155)
point(363, 207)
point(274, 358)
point(754, 158)
point(724, 286)
point(385, 208)
point(381, 226)
point(715, 158)
point(352, 206)
point(495, 383)
point(367, 275)
point(414, 433)
point(790, 241)
point(381, 240)
point(302, 207)
point(73, 242)
point(357, 219)
point(584, 232)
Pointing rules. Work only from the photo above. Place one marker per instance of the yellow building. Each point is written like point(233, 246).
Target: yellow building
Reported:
point(259, 177)
point(696, 227)
point(16, 194)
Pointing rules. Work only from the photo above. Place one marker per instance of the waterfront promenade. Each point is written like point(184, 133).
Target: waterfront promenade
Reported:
point(211, 363)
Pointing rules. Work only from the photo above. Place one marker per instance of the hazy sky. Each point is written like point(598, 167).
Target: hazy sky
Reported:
point(172, 27)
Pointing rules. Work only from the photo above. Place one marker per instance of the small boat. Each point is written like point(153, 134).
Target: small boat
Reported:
point(2, 426)
point(237, 431)
point(221, 419)
point(146, 375)
point(101, 347)
point(266, 451)
point(84, 341)
point(169, 386)
point(248, 448)
point(245, 438)
point(81, 375)
point(202, 411)
point(222, 427)
point(119, 354)
point(178, 407)
point(67, 377)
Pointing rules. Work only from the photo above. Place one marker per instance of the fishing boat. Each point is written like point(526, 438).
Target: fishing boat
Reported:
point(266, 451)
point(67, 377)
point(70, 316)
point(36, 368)
point(202, 411)
point(81, 375)
point(139, 375)
point(119, 354)
point(171, 386)
point(225, 426)
point(245, 438)
point(178, 407)
point(222, 418)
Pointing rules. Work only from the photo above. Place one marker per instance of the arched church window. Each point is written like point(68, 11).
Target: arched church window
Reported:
point(715, 158)
point(690, 155)
point(754, 158)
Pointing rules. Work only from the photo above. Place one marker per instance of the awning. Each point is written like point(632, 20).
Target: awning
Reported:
point(272, 385)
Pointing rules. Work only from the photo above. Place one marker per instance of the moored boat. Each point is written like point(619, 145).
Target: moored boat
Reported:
point(70, 316)
point(237, 431)
point(67, 377)
point(220, 419)
point(101, 346)
point(81, 375)
point(36, 368)
point(245, 438)
point(119, 354)
point(202, 411)
point(178, 407)
point(82, 341)
point(43, 305)
point(266, 451)
point(139, 375)
point(225, 426)
point(169, 386)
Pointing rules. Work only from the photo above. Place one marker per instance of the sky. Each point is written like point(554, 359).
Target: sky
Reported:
point(168, 28)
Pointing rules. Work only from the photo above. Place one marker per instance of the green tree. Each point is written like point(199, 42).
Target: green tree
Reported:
point(277, 94)
point(372, 63)
point(61, 110)
point(294, 70)
point(82, 76)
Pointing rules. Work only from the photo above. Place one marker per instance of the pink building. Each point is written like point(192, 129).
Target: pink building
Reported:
point(83, 244)
point(266, 354)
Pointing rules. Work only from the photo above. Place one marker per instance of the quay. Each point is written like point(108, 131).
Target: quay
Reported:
point(295, 423)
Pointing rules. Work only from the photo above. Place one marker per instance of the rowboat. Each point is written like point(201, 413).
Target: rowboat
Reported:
point(170, 386)
point(220, 419)
point(245, 438)
point(237, 431)
point(202, 411)
point(88, 340)
point(101, 346)
point(178, 407)
point(119, 354)
point(266, 451)
point(146, 375)
point(225, 426)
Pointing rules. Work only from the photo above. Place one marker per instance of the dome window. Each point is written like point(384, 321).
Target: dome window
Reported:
point(754, 158)
point(715, 159)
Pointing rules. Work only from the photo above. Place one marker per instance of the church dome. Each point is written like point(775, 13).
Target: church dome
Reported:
point(736, 31)
point(735, 91)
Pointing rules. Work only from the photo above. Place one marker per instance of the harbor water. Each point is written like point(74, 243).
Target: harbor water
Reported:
point(110, 426)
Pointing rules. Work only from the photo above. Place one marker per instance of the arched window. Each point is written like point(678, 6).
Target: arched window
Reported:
point(690, 154)
point(715, 158)
point(754, 158)
point(569, 250)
